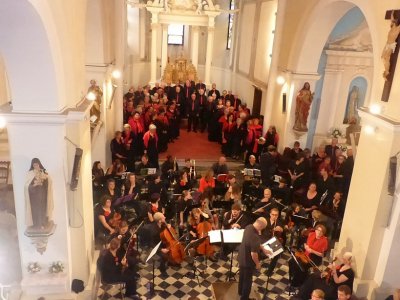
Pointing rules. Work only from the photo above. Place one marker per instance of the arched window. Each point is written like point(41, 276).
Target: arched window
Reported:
point(175, 34)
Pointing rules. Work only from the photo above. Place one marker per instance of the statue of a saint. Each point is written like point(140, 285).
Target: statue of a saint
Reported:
point(38, 198)
point(352, 116)
point(390, 46)
point(303, 102)
point(95, 109)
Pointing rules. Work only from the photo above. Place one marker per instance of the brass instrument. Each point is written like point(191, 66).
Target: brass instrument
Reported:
point(174, 172)
point(194, 169)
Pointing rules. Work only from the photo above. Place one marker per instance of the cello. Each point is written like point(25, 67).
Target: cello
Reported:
point(205, 248)
point(176, 253)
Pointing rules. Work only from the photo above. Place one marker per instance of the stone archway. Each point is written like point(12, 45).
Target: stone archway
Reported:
point(27, 54)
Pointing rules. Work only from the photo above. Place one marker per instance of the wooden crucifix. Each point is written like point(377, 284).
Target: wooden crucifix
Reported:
point(391, 51)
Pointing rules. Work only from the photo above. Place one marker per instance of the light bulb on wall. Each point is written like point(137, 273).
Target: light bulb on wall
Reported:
point(375, 109)
point(91, 96)
point(116, 74)
point(280, 80)
point(369, 129)
point(3, 122)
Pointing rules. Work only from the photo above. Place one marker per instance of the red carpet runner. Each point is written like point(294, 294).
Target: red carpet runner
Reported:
point(194, 146)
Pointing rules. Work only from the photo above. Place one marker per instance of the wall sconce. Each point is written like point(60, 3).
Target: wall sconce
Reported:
point(368, 129)
point(116, 74)
point(3, 123)
point(280, 80)
point(91, 96)
point(375, 109)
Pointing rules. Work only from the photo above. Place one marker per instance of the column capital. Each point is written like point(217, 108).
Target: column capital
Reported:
point(155, 25)
point(211, 29)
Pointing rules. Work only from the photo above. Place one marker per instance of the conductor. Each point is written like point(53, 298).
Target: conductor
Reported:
point(248, 256)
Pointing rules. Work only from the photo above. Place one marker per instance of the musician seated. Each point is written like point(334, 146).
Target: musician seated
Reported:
point(111, 190)
point(220, 167)
point(330, 280)
point(198, 227)
point(169, 169)
point(234, 194)
point(127, 245)
point(114, 270)
point(252, 164)
point(207, 180)
point(254, 191)
point(233, 219)
point(274, 228)
point(184, 206)
point(154, 206)
point(206, 205)
point(116, 169)
point(103, 214)
point(183, 183)
point(314, 250)
point(153, 232)
point(144, 164)
point(282, 191)
point(131, 187)
point(291, 227)
point(263, 207)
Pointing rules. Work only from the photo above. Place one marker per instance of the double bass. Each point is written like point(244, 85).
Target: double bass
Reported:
point(176, 253)
point(205, 248)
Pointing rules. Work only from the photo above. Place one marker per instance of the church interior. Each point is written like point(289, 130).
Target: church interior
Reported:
point(223, 104)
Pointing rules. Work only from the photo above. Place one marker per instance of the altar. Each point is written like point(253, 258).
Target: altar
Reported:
point(194, 13)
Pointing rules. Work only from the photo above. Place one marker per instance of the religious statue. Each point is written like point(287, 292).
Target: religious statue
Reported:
point(179, 71)
point(391, 43)
point(38, 198)
point(95, 109)
point(303, 103)
point(351, 116)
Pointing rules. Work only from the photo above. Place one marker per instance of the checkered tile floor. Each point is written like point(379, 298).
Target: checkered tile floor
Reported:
point(181, 284)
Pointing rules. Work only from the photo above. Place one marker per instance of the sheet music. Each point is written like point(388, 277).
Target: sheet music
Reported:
point(233, 235)
point(151, 171)
point(153, 252)
point(274, 246)
point(215, 236)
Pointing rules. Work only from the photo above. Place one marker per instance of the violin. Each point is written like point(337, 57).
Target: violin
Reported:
point(328, 272)
point(205, 248)
point(176, 253)
point(115, 221)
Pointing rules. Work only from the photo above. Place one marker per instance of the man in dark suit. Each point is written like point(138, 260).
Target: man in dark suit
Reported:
point(200, 85)
point(188, 89)
point(214, 91)
point(268, 165)
point(202, 99)
point(192, 112)
point(330, 151)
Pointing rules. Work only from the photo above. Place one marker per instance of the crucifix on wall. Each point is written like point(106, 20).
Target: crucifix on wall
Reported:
point(391, 51)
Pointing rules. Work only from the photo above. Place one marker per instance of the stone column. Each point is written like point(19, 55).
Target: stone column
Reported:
point(370, 227)
point(195, 46)
point(153, 59)
point(120, 46)
point(209, 53)
point(164, 50)
point(66, 234)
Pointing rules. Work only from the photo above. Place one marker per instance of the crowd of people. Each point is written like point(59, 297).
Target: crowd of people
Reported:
point(297, 196)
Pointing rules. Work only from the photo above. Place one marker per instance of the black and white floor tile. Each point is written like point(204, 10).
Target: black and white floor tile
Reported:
point(182, 284)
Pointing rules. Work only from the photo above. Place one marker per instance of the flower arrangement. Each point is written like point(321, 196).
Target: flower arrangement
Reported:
point(56, 267)
point(34, 267)
point(336, 133)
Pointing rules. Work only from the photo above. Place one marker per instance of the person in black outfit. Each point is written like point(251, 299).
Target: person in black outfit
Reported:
point(153, 232)
point(202, 100)
point(233, 219)
point(348, 166)
point(192, 112)
point(144, 164)
point(248, 256)
point(184, 206)
point(117, 147)
point(214, 92)
point(112, 271)
point(252, 164)
point(274, 228)
point(268, 165)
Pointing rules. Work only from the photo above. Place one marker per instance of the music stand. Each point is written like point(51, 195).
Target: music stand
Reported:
point(152, 290)
point(298, 264)
point(300, 222)
point(193, 245)
point(275, 247)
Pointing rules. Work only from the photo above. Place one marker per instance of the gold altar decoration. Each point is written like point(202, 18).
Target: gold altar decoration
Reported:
point(179, 71)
